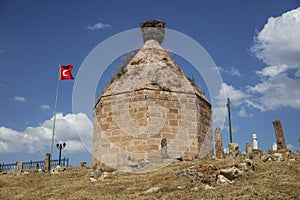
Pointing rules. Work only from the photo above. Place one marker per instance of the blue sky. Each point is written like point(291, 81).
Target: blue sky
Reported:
point(255, 45)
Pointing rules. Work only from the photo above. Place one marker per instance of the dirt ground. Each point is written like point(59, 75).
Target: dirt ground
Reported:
point(269, 180)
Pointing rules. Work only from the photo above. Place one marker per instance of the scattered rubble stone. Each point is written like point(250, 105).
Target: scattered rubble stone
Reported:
point(256, 153)
point(233, 150)
point(231, 173)
point(223, 179)
point(99, 174)
point(152, 190)
point(195, 189)
point(83, 164)
point(208, 187)
point(211, 175)
point(58, 169)
point(272, 157)
point(26, 173)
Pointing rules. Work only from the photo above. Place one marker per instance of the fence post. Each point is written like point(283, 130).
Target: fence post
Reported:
point(37, 167)
point(47, 165)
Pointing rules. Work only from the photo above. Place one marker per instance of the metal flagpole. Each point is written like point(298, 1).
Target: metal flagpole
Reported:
point(54, 117)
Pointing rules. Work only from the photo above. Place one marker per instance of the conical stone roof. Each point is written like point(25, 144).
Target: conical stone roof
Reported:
point(151, 68)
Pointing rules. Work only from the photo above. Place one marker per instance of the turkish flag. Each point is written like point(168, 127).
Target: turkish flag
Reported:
point(65, 72)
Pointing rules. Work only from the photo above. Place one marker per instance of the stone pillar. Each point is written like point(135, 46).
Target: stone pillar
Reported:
point(219, 144)
point(47, 165)
point(19, 167)
point(254, 142)
point(274, 147)
point(279, 135)
point(248, 149)
point(233, 150)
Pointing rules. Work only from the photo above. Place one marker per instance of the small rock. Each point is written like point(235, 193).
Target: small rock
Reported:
point(208, 187)
point(93, 180)
point(25, 173)
point(250, 164)
point(92, 174)
point(266, 158)
point(278, 156)
point(180, 187)
point(106, 175)
point(83, 164)
point(242, 166)
point(152, 190)
point(97, 173)
point(231, 173)
point(195, 189)
point(223, 179)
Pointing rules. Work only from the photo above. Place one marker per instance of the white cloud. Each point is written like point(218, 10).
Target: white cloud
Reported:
point(19, 98)
point(38, 139)
point(236, 96)
point(277, 45)
point(233, 71)
point(255, 105)
point(272, 71)
point(45, 107)
point(278, 42)
point(297, 74)
point(276, 92)
point(98, 26)
point(243, 113)
point(219, 113)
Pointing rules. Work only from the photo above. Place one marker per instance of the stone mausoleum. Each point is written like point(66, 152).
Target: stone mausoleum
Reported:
point(151, 112)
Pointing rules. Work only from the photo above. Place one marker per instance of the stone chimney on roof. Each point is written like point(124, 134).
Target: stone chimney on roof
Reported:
point(153, 30)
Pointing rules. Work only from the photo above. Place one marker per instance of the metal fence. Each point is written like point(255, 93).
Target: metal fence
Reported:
point(12, 167)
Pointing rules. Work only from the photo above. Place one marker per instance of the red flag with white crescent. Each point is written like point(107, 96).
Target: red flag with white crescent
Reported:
point(65, 72)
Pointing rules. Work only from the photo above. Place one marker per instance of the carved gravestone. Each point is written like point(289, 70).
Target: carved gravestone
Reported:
point(19, 167)
point(233, 150)
point(248, 149)
point(274, 147)
point(279, 135)
point(219, 144)
point(254, 142)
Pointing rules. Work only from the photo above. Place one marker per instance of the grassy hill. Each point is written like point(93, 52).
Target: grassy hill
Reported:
point(269, 180)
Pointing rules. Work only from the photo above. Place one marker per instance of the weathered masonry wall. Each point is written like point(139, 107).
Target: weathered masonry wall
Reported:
point(132, 125)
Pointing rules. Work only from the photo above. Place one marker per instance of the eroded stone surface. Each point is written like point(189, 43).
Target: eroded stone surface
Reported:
point(219, 143)
point(279, 135)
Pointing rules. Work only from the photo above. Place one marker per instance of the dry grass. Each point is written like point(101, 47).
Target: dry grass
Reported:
point(271, 180)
